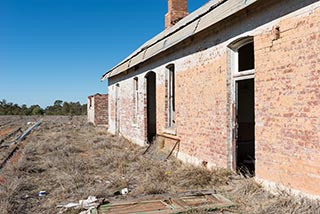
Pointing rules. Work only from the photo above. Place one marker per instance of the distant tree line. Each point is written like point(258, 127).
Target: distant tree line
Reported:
point(59, 107)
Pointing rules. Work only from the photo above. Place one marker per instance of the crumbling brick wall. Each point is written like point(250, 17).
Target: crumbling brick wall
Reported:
point(287, 94)
point(98, 109)
point(288, 102)
point(90, 109)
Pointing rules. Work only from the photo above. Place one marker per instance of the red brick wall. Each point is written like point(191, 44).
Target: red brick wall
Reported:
point(177, 9)
point(287, 87)
point(287, 94)
point(201, 113)
point(101, 109)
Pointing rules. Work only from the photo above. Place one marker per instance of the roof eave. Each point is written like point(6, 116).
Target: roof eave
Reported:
point(201, 19)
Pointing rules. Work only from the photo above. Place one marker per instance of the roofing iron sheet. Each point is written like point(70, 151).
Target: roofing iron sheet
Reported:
point(206, 16)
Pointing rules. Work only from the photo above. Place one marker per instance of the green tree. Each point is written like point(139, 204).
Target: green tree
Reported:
point(84, 109)
point(36, 110)
point(58, 103)
point(65, 108)
point(24, 110)
point(75, 108)
point(58, 108)
point(3, 103)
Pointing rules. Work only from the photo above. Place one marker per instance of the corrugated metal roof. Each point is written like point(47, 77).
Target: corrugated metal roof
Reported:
point(206, 16)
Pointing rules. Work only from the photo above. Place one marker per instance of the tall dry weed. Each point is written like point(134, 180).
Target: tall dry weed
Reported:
point(71, 161)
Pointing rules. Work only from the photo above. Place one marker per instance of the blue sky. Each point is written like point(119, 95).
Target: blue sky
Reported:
point(59, 49)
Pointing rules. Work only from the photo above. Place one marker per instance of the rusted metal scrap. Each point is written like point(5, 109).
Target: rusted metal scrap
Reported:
point(167, 206)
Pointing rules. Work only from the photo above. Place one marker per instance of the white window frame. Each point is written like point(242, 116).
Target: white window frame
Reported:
point(237, 75)
point(171, 96)
point(234, 47)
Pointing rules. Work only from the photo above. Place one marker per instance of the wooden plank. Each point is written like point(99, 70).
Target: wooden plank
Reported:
point(10, 135)
point(180, 204)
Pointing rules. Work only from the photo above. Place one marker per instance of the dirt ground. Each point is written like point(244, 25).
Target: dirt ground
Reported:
point(71, 160)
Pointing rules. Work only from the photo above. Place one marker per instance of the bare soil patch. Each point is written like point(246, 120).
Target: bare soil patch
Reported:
point(71, 160)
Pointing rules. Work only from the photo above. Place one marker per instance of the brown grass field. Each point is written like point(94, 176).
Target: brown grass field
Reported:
point(71, 160)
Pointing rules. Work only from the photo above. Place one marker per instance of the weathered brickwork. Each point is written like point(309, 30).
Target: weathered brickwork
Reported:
point(286, 93)
point(122, 101)
point(177, 9)
point(98, 109)
point(288, 103)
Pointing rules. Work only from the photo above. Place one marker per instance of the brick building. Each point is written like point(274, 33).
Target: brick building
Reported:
point(236, 83)
point(97, 112)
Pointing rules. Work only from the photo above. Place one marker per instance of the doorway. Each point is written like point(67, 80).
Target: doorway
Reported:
point(245, 139)
point(151, 106)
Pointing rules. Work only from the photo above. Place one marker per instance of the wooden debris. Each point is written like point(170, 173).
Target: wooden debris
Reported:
point(10, 135)
point(170, 205)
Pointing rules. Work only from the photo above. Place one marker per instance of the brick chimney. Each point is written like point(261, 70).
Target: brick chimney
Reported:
point(177, 9)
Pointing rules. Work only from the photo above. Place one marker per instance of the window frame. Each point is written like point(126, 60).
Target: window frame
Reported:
point(170, 99)
point(235, 75)
point(234, 47)
point(135, 98)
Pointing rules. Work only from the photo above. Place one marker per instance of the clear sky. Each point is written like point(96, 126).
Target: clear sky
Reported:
point(59, 49)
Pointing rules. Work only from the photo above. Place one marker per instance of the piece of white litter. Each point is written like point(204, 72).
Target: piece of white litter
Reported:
point(70, 205)
point(42, 193)
point(87, 204)
point(124, 191)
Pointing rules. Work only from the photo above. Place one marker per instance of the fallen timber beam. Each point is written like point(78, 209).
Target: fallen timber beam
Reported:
point(9, 122)
point(175, 145)
point(22, 136)
point(25, 133)
point(10, 135)
point(6, 123)
point(16, 147)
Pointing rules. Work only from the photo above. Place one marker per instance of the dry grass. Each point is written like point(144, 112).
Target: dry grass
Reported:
point(72, 160)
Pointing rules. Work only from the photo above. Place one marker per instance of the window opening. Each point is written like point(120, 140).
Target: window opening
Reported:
point(117, 110)
point(171, 96)
point(246, 57)
point(135, 98)
point(90, 102)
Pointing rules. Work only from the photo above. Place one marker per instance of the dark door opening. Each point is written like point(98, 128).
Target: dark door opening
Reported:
point(151, 106)
point(245, 145)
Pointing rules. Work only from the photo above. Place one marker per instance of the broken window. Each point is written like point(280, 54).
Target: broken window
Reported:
point(90, 102)
point(246, 57)
point(171, 96)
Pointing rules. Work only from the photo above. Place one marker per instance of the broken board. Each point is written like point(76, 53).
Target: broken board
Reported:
point(176, 205)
